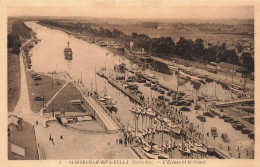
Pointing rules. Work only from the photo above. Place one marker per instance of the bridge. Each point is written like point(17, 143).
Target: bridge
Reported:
point(234, 102)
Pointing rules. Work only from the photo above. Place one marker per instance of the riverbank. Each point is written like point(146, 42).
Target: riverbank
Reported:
point(14, 81)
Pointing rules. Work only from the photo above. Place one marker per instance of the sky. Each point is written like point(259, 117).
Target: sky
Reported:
point(128, 9)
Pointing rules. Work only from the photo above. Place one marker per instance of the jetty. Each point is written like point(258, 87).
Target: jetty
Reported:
point(234, 102)
point(98, 110)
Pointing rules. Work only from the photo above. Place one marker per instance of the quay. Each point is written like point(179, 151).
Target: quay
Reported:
point(98, 110)
point(160, 60)
point(149, 79)
point(235, 102)
point(122, 89)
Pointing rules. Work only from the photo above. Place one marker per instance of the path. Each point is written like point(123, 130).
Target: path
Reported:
point(22, 109)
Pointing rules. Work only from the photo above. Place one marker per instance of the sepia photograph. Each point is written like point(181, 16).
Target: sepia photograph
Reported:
point(114, 80)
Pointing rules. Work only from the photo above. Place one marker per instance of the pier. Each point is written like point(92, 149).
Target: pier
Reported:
point(122, 89)
point(100, 115)
point(98, 110)
point(235, 102)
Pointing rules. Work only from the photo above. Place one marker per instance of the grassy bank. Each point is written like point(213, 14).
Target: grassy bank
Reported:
point(43, 89)
point(14, 81)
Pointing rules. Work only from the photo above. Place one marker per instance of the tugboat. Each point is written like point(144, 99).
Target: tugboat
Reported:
point(68, 52)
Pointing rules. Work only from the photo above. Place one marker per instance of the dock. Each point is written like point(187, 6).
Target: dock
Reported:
point(98, 110)
point(126, 92)
point(100, 115)
point(235, 102)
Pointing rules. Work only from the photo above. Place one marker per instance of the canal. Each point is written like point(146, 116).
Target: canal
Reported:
point(48, 56)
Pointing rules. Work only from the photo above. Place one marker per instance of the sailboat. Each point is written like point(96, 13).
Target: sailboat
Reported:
point(235, 88)
point(150, 112)
point(200, 146)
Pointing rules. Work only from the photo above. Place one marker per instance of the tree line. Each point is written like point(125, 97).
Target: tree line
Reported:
point(165, 46)
point(19, 32)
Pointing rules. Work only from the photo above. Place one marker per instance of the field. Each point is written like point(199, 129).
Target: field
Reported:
point(14, 81)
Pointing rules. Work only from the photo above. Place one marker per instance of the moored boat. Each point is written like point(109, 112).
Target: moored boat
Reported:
point(163, 155)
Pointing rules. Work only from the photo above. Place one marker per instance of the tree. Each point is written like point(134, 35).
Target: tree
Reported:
point(211, 54)
point(221, 53)
point(134, 34)
point(182, 46)
point(116, 33)
point(247, 61)
point(108, 33)
point(198, 48)
point(232, 57)
point(239, 48)
point(163, 45)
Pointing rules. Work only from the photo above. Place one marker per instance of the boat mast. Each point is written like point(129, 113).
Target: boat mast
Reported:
point(162, 134)
point(178, 80)
point(151, 99)
point(105, 92)
point(215, 89)
point(182, 135)
point(81, 75)
point(96, 79)
point(202, 133)
point(91, 85)
point(232, 74)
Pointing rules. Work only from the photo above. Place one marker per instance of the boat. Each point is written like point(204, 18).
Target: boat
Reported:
point(148, 152)
point(193, 149)
point(68, 52)
point(184, 150)
point(163, 155)
point(157, 148)
point(202, 149)
point(102, 44)
point(142, 111)
point(188, 76)
point(108, 102)
point(150, 112)
point(173, 67)
point(236, 88)
point(133, 109)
